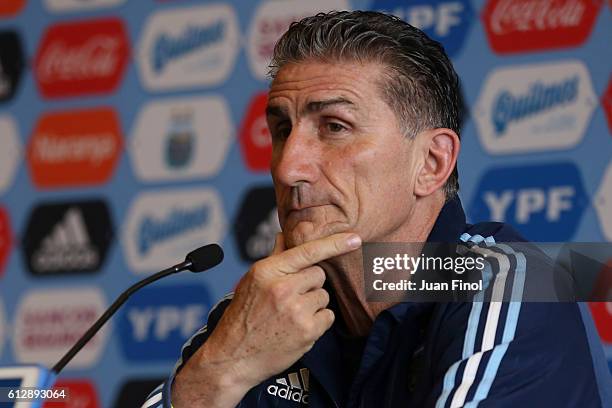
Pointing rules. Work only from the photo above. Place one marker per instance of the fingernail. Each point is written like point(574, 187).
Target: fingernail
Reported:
point(354, 241)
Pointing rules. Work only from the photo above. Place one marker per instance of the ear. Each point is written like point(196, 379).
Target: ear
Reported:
point(441, 148)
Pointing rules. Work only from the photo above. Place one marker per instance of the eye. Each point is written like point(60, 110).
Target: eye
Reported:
point(335, 127)
point(281, 132)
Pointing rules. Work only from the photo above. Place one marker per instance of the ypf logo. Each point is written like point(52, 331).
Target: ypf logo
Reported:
point(81, 394)
point(10, 153)
point(181, 139)
point(544, 202)
point(255, 139)
point(60, 6)
point(70, 237)
point(49, 321)
point(74, 148)
point(187, 47)
point(606, 102)
point(166, 225)
point(535, 107)
point(6, 238)
point(272, 19)
point(11, 64)
point(603, 203)
point(533, 25)
point(157, 321)
point(9, 8)
point(446, 21)
point(257, 223)
point(86, 57)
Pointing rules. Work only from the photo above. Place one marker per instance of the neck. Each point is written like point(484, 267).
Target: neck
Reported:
point(345, 273)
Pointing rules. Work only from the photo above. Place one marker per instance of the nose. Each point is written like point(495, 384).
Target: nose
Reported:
point(294, 161)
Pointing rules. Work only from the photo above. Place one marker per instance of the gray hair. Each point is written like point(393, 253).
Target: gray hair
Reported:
point(419, 84)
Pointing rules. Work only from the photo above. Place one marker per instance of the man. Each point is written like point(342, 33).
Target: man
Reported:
point(364, 113)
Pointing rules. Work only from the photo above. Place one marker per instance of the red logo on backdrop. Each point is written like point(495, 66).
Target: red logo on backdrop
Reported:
point(602, 311)
point(606, 102)
point(81, 394)
point(530, 25)
point(254, 135)
point(10, 7)
point(5, 238)
point(81, 58)
point(74, 148)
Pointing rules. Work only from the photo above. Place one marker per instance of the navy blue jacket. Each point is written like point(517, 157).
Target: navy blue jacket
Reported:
point(510, 354)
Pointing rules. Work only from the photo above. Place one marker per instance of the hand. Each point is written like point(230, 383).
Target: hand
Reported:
point(277, 313)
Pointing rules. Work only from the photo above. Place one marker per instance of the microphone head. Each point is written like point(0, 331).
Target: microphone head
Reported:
point(204, 257)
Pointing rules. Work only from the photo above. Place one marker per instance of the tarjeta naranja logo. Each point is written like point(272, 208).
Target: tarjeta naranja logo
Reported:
point(545, 202)
point(157, 321)
point(75, 148)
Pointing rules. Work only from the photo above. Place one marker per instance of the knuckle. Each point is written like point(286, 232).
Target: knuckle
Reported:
point(308, 252)
point(278, 292)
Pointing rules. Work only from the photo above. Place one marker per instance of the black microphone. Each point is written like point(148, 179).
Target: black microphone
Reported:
point(197, 260)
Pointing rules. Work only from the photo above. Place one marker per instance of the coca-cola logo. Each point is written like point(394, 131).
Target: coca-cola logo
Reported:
point(255, 138)
point(74, 148)
point(81, 58)
point(530, 25)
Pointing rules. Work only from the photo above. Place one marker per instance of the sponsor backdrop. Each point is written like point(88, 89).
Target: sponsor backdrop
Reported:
point(132, 132)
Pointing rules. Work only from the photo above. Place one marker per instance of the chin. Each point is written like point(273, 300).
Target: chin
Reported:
point(303, 233)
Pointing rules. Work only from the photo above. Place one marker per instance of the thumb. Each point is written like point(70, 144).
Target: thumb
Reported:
point(279, 244)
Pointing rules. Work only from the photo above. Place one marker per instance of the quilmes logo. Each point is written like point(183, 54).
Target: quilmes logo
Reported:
point(165, 225)
point(603, 203)
point(74, 148)
point(443, 20)
point(255, 138)
point(535, 107)
point(60, 6)
point(293, 389)
point(257, 223)
point(10, 153)
point(187, 47)
point(11, 64)
point(544, 202)
point(82, 394)
point(181, 139)
point(71, 237)
point(86, 57)
point(530, 25)
point(6, 238)
point(272, 19)
point(48, 322)
point(157, 321)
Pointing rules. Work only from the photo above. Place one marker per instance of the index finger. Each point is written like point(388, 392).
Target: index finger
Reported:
point(310, 253)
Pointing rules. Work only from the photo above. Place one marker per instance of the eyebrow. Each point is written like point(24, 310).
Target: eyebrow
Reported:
point(314, 106)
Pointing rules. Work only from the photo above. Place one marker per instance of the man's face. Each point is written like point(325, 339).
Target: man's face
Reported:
point(340, 162)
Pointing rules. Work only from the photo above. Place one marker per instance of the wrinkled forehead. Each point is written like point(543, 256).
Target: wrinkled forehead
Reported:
point(303, 84)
